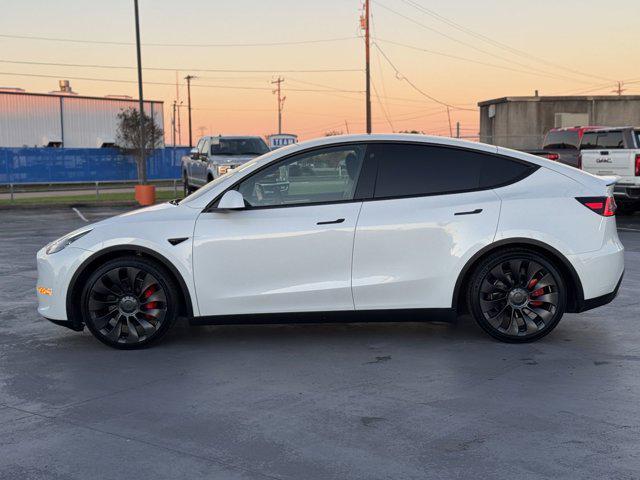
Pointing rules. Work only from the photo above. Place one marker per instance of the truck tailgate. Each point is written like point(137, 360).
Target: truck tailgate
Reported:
point(620, 163)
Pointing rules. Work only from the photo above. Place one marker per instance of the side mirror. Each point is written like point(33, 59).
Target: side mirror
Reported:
point(194, 152)
point(231, 200)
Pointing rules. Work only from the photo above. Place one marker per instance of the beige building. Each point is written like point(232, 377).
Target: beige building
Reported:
point(522, 122)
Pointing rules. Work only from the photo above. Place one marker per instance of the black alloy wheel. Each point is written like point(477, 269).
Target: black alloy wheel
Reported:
point(129, 303)
point(517, 295)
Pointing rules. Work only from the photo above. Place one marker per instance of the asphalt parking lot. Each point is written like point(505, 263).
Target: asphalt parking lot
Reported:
point(364, 401)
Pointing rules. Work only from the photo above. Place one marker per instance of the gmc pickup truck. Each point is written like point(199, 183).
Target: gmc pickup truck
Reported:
point(215, 156)
point(563, 144)
point(615, 152)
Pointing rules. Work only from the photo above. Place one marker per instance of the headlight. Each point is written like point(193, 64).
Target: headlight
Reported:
point(64, 242)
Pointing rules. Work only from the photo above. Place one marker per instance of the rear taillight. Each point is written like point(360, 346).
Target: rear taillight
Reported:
point(552, 156)
point(605, 206)
point(637, 164)
point(580, 161)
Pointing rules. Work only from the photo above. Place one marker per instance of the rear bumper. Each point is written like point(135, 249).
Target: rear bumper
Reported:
point(627, 192)
point(600, 274)
point(601, 300)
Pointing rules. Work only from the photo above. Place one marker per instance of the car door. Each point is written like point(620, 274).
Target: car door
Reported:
point(290, 249)
point(432, 208)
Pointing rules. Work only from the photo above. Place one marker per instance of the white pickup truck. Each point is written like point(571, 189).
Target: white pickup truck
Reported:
point(615, 152)
point(215, 156)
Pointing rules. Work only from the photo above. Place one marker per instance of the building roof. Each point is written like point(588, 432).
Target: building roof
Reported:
point(561, 98)
point(114, 98)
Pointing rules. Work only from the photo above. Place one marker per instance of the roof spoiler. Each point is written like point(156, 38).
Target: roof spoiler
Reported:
point(610, 180)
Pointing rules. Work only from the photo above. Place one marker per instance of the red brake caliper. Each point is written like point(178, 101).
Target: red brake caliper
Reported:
point(535, 293)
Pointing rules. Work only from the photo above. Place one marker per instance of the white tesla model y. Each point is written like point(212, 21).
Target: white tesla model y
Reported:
point(360, 227)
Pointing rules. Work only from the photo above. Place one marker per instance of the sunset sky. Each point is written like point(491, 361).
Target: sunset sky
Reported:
point(456, 52)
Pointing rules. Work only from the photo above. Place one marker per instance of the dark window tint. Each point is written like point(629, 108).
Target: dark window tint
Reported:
point(239, 146)
point(637, 135)
point(561, 139)
point(405, 170)
point(498, 171)
point(602, 140)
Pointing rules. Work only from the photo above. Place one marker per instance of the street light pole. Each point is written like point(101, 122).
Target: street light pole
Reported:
point(143, 163)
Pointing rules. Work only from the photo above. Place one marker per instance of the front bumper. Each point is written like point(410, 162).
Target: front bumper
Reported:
point(54, 275)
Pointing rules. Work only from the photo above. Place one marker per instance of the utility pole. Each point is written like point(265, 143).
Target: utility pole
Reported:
point(281, 100)
point(346, 124)
point(457, 129)
point(188, 78)
point(365, 24)
point(143, 163)
point(173, 124)
point(449, 117)
point(619, 90)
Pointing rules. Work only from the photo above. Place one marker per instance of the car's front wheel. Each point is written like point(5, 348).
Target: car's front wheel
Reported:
point(185, 183)
point(129, 302)
point(517, 295)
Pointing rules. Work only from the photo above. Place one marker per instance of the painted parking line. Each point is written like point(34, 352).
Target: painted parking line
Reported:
point(79, 213)
point(624, 229)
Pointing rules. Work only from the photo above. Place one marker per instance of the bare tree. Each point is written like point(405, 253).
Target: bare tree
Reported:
point(128, 138)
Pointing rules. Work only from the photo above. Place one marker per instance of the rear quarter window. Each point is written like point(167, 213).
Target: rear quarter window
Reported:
point(415, 170)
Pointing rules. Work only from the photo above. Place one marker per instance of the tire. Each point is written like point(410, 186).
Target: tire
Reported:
point(209, 178)
point(116, 301)
point(521, 307)
point(185, 184)
point(627, 208)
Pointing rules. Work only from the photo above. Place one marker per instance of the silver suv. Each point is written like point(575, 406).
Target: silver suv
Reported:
point(215, 156)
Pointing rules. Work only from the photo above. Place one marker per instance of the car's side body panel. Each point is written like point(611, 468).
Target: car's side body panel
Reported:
point(275, 259)
point(408, 251)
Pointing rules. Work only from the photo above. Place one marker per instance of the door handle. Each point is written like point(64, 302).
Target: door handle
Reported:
point(604, 153)
point(331, 222)
point(472, 212)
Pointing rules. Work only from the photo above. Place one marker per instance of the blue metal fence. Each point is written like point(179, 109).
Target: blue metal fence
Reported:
point(60, 165)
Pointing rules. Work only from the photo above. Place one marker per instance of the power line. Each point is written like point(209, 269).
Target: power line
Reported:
point(180, 45)
point(172, 69)
point(400, 76)
point(199, 85)
point(492, 41)
point(470, 60)
point(469, 45)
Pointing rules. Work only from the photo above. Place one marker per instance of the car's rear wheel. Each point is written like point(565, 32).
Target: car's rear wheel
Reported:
point(129, 302)
point(517, 295)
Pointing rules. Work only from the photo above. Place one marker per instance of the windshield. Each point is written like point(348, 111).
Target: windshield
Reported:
point(240, 146)
point(212, 184)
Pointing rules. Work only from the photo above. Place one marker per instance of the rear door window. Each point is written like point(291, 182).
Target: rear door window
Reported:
point(406, 170)
point(602, 140)
point(561, 139)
